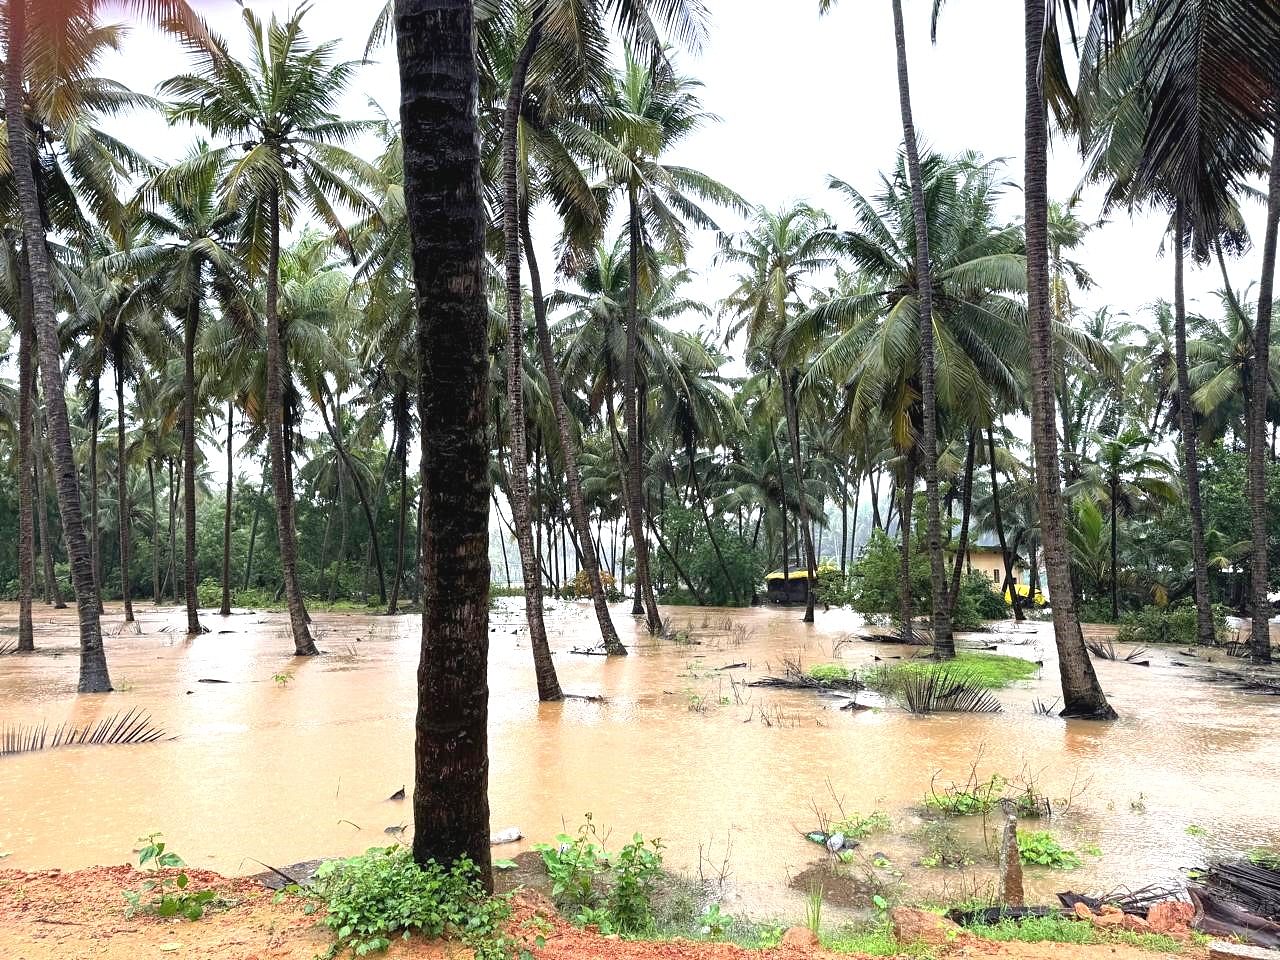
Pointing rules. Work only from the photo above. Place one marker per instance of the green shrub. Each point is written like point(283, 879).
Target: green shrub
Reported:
point(383, 893)
point(1173, 623)
point(977, 602)
point(613, 893)
point(1041, 848)
point(209, 593)
point(169, 896)
point(876, 578)
point(859, 827)
point(829, 672)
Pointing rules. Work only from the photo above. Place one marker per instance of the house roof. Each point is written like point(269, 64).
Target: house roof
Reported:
point(793, 575)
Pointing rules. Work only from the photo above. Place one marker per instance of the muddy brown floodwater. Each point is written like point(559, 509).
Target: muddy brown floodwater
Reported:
point(269, 772)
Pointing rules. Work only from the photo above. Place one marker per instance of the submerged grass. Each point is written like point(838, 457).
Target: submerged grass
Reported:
point(991, 671)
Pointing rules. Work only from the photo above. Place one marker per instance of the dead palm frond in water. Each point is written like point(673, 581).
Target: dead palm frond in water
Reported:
point(1106, 650)
point(1042, 709)
point(8, 646)
point(133, 726)
point(945, 689)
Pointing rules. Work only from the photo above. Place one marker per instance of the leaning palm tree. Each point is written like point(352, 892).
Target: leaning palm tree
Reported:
point(645, 111)
point(278, 110)
point(33, 31)
point(928, 387)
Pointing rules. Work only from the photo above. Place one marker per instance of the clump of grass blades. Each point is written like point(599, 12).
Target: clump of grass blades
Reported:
point(132, 726)
point(1106, 650)
point(945, 689)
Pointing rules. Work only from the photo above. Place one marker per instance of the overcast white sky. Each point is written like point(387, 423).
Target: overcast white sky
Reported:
point(800, 97)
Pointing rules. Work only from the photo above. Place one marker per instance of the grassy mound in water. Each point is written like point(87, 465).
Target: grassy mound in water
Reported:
point(832, 673)
point(990, 671)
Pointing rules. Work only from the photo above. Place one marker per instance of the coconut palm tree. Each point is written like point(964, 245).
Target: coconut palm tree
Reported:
point(944, 646)
point(646, 110)
point(1124, 475)
point(779, 255)
point(52, 85)
point(278, 111)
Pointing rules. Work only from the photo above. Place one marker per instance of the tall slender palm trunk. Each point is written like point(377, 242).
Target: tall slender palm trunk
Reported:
point(1260, 630)
point(26, 414)
point(943, 645)
point(53, 593)
point(94, 677)
point(568, 447)
point(401, 414)
point(95, 526)
point(334, 428)
point(122, 499)
point(788, 379)
point(253, 530)
point(543, 667)
point(1187, 428)
point(966, 508)
point(906, 602)
point(303, 645)
point(225, 608)
point(442, 187)
point(631, 414)
point(1081, 693)
point(155, 533)
point(1006, 555)
point(189, 450)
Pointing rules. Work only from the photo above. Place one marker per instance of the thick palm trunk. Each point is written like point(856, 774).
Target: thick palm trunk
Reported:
point(26, 413)
point(303, 645)
point(802, 500)
point(631, 413)
point(944, 647)
point(446, 219)
point(1115, 545)
point(122, 498)
point(189, 451)
point(1187, 428)
point(94, 677)
point(225, 609)
point(543, 667)
point(1260, 631)
point(1081, 693)
point(568, 447)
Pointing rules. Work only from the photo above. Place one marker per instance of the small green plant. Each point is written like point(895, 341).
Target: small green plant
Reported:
point(813, 909)
point(1268, 857)
point(383, 893)
point(612, 893)
point(962, 800)
point(942, 846)
point(1195, 830)
point(859, 827)
point(165, 895)
point(574, 864)
point(829, 672)
point(1041, 848)
point(282, 680)
point(636, 870)
point(714, 923)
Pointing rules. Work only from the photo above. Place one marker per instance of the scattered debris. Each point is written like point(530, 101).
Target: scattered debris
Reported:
point(794, 677)
point(211, 680)
point(398, 795)
point(733, 666)
point(133, 726)
point(945, 689)
point(1106, 650)
point(506, 835)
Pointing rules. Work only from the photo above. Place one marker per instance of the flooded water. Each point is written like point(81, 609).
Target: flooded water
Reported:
point(273, 771)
